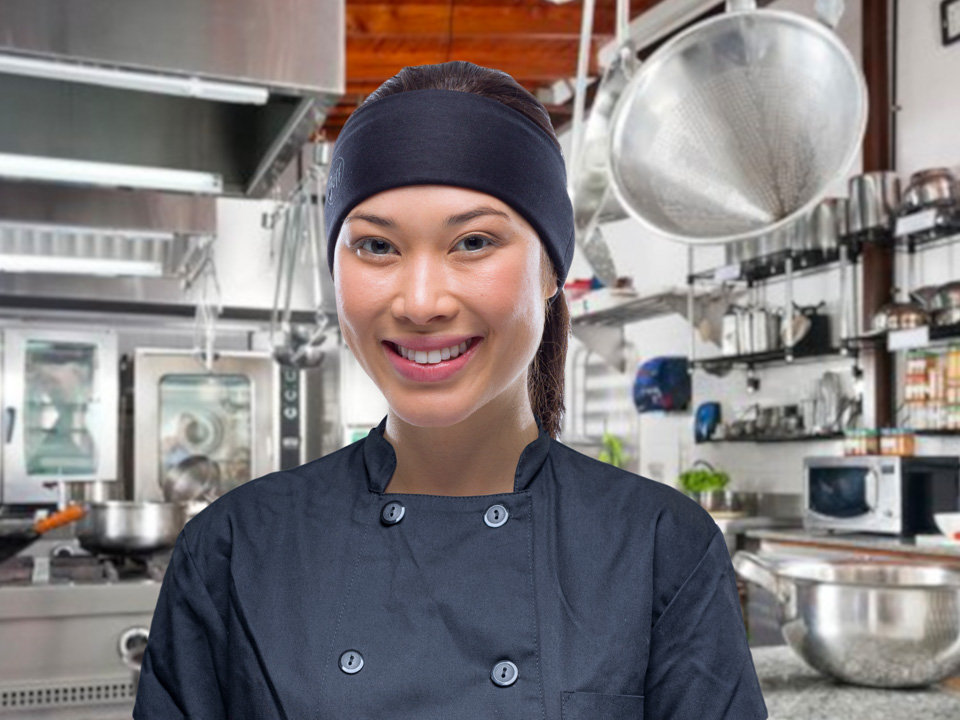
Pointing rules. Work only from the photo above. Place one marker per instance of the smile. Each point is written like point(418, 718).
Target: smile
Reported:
point(431, 365)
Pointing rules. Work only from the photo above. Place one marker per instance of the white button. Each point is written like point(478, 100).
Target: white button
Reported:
point(495, 516)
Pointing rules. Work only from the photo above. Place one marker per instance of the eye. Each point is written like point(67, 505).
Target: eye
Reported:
point(380, 244)
point(477, 237)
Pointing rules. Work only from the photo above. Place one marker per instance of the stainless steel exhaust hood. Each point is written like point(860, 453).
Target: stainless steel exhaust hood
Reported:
point(199, 96)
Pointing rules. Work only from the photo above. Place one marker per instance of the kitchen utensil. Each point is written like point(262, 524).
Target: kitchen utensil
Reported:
point(874, 200)
point(15, 537)
point(804, 239)
point(778, 240)
point(745, 327)
point(946, 297)
point(935, 187)
point(730, 335)
point(727, 503)
point(736, 126)
point(196, 477)
point(868, 622)
point(742, 251)
point(828, 224)
point(949, 524)
point(950, 316)
point(925, 296)
point(760, 327)
point(797, 331)
point(808, 413)
point(125, 527)
point(900, 316)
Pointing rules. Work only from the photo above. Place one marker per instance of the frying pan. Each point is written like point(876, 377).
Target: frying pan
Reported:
point(113, 527)
point(15, 539)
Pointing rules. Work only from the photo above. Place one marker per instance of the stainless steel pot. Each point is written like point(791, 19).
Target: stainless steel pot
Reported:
point(828, 224)
point(930, 188)
point(874, 201)
point(900, 316)
point(125, 527)
point(946, 297)
point(727, 502)
point(877, 623)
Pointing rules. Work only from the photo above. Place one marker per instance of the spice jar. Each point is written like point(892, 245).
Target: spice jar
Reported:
point(897, 441)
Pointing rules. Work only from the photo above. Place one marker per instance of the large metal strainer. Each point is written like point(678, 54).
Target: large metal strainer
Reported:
point(736, 126)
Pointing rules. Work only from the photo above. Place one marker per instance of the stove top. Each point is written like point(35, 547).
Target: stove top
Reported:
point(83, 569)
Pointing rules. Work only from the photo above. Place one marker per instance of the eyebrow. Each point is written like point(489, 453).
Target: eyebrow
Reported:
point(457, 219)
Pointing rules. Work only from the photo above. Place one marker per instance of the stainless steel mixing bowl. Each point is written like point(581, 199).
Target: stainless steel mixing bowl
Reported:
point(868, 622)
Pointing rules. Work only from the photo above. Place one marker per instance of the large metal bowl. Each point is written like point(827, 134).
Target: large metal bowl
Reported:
point(876, 623)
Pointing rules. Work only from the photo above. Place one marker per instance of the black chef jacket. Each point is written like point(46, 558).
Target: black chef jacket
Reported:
point(612, 595)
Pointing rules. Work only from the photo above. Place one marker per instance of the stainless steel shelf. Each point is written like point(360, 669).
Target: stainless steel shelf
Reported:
point(628, 309)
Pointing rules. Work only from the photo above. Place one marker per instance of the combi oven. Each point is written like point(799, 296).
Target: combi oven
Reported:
point(59, 392)
point(245, 416)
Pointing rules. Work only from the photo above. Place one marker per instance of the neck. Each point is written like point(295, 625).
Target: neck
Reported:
point(477, 456)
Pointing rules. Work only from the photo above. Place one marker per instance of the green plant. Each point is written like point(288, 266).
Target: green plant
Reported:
point(703, 479)
point(612, 452)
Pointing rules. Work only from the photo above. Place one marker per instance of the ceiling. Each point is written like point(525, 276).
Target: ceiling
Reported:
point(535, 41)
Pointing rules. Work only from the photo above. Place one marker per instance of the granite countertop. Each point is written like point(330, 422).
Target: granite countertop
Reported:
point(931, 545)
point(792, 690)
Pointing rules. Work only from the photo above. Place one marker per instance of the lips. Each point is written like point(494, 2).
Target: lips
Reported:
point(431, 372)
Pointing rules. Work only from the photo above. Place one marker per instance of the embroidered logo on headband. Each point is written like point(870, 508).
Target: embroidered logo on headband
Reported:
point(335, 179)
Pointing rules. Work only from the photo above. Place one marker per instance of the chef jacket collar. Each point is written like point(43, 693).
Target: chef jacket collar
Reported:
point(380, 458)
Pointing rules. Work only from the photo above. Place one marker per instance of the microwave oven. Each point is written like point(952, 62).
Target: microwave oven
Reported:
point(879, 493)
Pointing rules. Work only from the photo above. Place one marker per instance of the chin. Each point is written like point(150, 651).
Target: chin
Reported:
point(426, 416)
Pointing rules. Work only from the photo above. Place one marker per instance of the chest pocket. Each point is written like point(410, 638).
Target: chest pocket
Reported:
point(600, 706)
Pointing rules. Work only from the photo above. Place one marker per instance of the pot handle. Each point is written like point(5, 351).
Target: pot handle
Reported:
point(61, 517)
point(752, 568)
point(756, 570)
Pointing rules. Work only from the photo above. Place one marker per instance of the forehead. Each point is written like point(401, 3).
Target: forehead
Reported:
point(435, 204)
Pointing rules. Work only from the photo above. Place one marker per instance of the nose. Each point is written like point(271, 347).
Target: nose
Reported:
point(424, 290)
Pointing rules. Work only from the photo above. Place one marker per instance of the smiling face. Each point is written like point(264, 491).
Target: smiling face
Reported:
point(437, 262)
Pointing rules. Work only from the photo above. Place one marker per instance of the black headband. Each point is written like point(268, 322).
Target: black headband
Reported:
point(449, 137)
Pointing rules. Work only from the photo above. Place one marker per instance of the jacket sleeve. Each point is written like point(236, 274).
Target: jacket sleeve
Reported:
point(183, 667)
point(700, 664)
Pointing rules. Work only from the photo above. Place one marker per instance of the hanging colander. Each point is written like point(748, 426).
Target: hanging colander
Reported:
point(736, 126)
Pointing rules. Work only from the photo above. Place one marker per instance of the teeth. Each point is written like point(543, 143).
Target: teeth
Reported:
point(430, 357)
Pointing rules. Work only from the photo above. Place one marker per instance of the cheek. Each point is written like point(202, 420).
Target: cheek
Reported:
point(510, 291)
point(356, 304)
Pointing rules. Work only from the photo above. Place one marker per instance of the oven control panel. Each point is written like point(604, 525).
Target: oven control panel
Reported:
point(290, 421)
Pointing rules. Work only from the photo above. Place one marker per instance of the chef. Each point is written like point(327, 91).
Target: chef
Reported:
point(459, 562)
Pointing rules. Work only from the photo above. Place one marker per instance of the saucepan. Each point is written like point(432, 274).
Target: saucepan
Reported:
point(879, 623)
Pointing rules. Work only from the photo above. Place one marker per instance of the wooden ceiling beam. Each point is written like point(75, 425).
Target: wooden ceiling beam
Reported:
point(541, 59)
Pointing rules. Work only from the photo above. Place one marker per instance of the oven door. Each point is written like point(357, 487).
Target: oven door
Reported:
point(853, 494)
point(60, 411)
point(183, 413)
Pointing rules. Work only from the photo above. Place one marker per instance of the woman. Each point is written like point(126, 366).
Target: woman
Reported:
point(458, 562)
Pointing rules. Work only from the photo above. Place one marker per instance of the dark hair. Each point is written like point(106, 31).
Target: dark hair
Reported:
point(545, 384)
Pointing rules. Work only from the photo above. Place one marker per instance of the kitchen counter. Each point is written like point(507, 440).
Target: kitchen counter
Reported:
point(930, 546)
point(793, 690)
